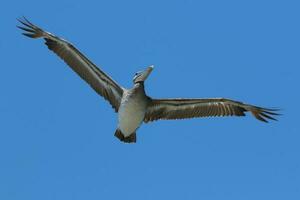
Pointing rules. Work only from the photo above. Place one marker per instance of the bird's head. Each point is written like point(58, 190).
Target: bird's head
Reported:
point(141, 76)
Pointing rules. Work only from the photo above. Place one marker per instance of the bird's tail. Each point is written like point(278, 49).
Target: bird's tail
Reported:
point(130, 139)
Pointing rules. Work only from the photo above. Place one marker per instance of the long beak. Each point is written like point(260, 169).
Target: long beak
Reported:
point(146, 73)
point(150, 68)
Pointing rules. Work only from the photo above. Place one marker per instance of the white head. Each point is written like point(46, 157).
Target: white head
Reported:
point(142, 75)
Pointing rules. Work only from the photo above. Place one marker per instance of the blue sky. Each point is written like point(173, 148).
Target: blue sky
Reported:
point(56, 133)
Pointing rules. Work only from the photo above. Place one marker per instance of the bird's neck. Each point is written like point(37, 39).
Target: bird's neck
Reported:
point(139, 85)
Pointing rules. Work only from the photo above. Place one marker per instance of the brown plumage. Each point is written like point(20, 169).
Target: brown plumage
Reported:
point(133, 105)
point(190, 108)
point(129, 139)
point(88, 71)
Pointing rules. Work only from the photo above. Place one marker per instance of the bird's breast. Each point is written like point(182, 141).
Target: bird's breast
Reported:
point(131, 114)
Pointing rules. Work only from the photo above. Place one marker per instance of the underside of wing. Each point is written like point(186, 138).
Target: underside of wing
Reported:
point(190, 108)
point(97, 79)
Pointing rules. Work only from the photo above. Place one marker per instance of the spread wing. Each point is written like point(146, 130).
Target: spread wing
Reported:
point(96, 78)
point(190, 108)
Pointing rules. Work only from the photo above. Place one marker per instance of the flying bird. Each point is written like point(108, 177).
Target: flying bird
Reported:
point(133, 106)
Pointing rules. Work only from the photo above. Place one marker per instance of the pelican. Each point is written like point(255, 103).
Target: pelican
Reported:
point(133, 106)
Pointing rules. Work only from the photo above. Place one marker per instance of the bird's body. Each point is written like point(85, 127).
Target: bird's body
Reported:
point(133, 105)
point(132, 109)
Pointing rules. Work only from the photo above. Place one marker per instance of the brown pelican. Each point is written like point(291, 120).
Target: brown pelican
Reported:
point(133, 105)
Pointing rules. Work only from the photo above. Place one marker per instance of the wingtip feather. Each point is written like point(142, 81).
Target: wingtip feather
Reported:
point(30, 29)
point(263, 114)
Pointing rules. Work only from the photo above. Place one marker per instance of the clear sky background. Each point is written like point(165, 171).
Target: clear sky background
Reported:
point(56, 133)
